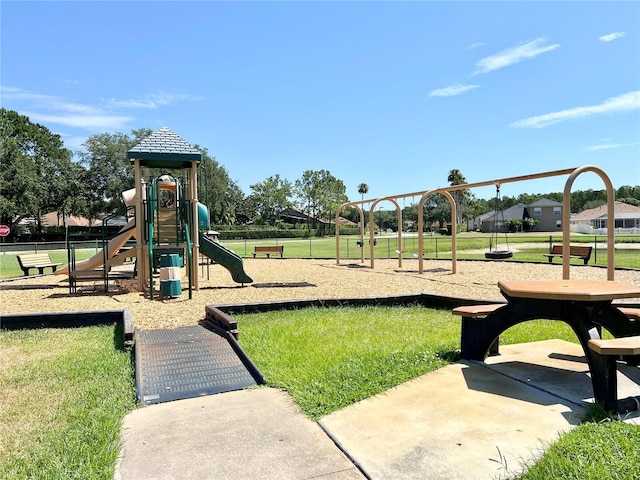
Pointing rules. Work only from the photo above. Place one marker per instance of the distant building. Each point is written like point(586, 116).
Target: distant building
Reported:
point(547, 212)
point(297, 217)
point(55, 218)
point(626, 216)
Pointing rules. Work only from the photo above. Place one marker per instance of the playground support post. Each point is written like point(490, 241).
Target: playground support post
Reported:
point(566, 205)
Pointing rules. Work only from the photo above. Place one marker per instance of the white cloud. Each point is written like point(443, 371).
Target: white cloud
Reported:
point(612, 36)
point(150, 101)
point(452, 90)
point(105, 115)
point(476, 45)
point(608, 146)
point(622, 103)
point(89, 122)
point(514, 55)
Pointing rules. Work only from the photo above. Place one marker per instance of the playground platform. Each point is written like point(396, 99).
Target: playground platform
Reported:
point(466, 420)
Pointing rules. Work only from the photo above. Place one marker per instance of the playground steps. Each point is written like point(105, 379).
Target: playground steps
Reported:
point(168, 227)
point(187, 362)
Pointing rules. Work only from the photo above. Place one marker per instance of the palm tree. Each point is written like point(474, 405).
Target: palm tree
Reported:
point(362, 189)
point(455, 177)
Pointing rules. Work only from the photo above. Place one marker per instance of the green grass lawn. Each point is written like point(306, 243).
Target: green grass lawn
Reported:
point(327, 359)
point(470, 246)
point(606, 450)
point(63, 395)
point(10, 268)
point(64, 392)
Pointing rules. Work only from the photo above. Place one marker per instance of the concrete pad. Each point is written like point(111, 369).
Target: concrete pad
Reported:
point(462, 421)
point(248, 434)
point(467, 420)
point(560, 368)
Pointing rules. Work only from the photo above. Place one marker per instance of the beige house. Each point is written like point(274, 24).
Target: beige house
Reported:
point(626, 217)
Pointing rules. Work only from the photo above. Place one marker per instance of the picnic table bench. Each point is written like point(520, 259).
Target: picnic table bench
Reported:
point(611, 350)
point(587, 306)
point(575, 251)
point(474, 313)
point(268, 250)
point(36, 260)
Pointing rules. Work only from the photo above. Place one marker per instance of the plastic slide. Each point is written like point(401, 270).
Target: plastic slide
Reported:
point(115, 244)
point(224, 257)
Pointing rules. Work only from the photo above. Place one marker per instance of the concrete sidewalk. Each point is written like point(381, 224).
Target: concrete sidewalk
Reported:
point(469, 420)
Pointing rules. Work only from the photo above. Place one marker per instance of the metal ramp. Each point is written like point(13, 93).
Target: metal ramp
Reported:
point(187, 362)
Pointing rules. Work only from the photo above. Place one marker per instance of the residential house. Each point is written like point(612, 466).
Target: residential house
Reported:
point(627, 217)
point(547, 212)
point(298, 217)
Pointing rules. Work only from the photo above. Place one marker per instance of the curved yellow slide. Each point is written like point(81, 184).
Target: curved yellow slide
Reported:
point(115, 244)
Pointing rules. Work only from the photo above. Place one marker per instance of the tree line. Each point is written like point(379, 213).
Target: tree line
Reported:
point(39, 175)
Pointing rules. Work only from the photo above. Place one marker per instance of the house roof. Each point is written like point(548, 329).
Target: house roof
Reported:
point(302, 216)
point(545, 202)
point(516, 211)
point(165, 149)
point(52, 218)
point(619, 209)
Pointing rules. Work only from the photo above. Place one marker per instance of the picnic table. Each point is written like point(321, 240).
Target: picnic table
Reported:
point(585, 305)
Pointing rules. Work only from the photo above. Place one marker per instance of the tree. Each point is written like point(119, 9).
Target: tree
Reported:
point(33, 167)
point(319, 193)
point(363, 189)
point(271, 198)
point(109, 170)
point(513, 224)
point(216, 190)
point(477, 208)
point(460, 197)
point(244, 207)
point(529, 223)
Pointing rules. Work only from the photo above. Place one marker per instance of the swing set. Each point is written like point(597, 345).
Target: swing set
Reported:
point(494, 252)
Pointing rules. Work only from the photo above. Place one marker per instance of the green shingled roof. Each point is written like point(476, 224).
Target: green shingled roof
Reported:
point(165, 149)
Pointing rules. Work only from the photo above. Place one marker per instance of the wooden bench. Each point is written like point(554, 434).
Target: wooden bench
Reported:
point(471, 313)
point(611, 350)
point(575, 251)
point(37, 260)
point(268, 250)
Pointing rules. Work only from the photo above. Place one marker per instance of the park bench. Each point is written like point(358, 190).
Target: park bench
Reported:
point(611, 350)
point(268, 250)
point(473, 313)
point(575, 251)
point(36, 260)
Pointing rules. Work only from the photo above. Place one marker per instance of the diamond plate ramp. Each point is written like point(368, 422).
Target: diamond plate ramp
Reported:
point(186, 362)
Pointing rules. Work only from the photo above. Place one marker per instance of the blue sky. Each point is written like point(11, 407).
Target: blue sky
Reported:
point(392, 94)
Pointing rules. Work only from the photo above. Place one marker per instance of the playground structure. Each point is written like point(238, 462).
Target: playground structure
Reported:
point(169, 223)
point(445, 191)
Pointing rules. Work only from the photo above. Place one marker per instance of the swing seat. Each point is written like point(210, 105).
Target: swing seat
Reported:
point(498, 254)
